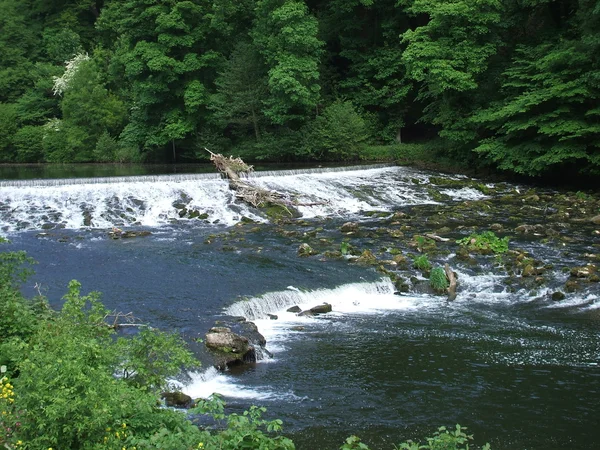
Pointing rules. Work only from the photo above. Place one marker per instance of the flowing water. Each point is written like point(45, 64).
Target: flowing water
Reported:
point(517, 367)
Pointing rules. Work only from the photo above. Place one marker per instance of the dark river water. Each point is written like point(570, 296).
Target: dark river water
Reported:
point(516, 367)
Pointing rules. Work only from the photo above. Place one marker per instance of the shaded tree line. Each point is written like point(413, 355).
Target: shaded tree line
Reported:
point(509, 84)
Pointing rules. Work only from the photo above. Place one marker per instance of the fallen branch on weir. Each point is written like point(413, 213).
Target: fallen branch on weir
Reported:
point(256, 196)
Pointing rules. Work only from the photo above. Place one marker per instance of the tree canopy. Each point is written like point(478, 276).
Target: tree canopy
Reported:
point(510, 85)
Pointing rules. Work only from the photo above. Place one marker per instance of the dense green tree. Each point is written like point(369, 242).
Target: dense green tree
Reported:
point(337, 134)
point(549, 116)
point(286, 35)
point(28, 143)
point(160, 55)
point(364, 59)
point(241, 90)
point(510, 84)
point(17, 46)
point(448, 55)
point(8, 127)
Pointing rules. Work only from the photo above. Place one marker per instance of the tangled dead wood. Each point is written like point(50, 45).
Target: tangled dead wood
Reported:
point(234, 168)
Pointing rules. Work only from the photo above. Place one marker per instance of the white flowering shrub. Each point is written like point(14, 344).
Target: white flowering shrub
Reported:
point(61, 84)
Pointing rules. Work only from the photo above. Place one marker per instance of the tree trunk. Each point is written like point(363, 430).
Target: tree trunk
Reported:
point(255, 123)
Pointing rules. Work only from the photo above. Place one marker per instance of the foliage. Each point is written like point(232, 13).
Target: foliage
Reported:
point(285, 34)
point(548, 117)
point(354, 443)
point(510, 85)
point(8, 127)
point(337, 134)
point(241, 90)
point(438, 280)
point(243, 431)
point(486, 242)
point(28, 143)
point(443, 439)
point(422, 263)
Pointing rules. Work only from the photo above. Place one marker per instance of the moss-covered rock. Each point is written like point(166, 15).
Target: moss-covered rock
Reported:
point(306, 250)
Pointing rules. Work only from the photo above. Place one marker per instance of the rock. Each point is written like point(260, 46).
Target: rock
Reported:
point(132, 234)
point(297, 328)
point(530, 229)
point(528, 271)
point(273, 316)
point(532, 198)
point(237, 343)
point(306, 250)
point(401, 285)
point(401, 261)
point(496, 227)
point(222, 339)
point(177, 399)
point(367, 257)
point(595, 220)
point(558, 296)
point(572, 286)
point(316, 310)
point(583, 272)
point(294, 309)
point(349, 227)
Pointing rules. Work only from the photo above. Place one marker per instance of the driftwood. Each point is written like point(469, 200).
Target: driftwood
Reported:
point(437, 238)
point(234, 168)
point(452, 282)
point(122, 320)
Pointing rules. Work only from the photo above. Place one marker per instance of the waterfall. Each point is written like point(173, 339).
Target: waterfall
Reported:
point(346, 298)
point(203, 199)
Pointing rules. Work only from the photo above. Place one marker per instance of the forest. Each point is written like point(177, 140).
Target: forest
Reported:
point(512, 85)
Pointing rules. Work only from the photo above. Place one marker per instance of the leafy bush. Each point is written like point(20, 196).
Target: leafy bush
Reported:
point(422, 263)
point(337, 134)
point(438, 280)
point(486, 242)
point(443, 440)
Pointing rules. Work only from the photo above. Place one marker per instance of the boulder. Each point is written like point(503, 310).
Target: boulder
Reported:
point(367, 257)
point(595, 220)
point(306, 250)
point(233, 342)
point(177, 399)
point(223, 340)
point(294, 309)
point(349, 227)
point(316, 310)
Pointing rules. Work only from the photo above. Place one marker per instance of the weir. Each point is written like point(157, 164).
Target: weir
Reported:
point(201, 199)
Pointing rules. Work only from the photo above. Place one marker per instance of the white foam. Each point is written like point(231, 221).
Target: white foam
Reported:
point(212, 381)
point(148, 201)
point(466, 193)
point(204, 384)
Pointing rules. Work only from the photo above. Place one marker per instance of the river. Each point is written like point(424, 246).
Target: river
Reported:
point(515, 358)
